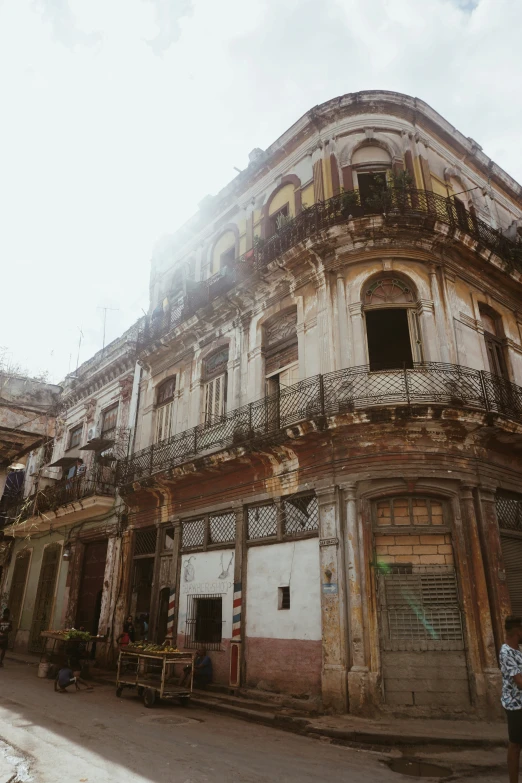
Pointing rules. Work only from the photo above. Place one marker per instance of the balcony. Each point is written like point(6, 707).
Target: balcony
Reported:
point(68, 501)
point(396, 205)
point(343, 391)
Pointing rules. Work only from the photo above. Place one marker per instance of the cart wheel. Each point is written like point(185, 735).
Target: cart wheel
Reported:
point(149, 697)
point(140, 690)
point(184, 701)
point(119, 691)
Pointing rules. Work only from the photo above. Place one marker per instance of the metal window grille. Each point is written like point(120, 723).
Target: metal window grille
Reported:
point(145, 542)
point(509, 512)
point(420, 608)
point(301, 514)
point(262, 521)
point(193, 534)
point(204, 625)
point(222, 528)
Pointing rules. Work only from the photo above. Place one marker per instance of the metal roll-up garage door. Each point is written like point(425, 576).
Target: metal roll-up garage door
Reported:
point(512, 552)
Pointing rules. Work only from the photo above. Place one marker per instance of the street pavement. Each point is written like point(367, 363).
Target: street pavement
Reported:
point(95, 737)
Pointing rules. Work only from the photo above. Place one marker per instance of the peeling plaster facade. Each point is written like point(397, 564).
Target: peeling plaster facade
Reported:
point(373, 499)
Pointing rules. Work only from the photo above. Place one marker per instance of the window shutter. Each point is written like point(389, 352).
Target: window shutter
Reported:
point(164, 422)
point(215, 399)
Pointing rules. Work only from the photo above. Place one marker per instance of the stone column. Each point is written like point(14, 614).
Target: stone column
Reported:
point(153, 611)
point(450, 310)
point(442, 335)
point(488, 679)
point(499, 599)
point(333, 610)
point(359, 353)
point(324, 338)
point(343, 335)
point(430, 341)
point(353, 555)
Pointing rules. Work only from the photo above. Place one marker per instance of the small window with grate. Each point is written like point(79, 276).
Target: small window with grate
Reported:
point(301, 514)
point(262, 521)
point(193, 534)
point(145, 542)
point(204, 626)
point(222, 528)
point(283, 598)
point(509, 512)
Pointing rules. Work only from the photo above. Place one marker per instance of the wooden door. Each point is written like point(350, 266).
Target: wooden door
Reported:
point(44, 603)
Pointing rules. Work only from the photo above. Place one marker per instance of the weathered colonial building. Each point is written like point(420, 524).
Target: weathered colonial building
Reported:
point(67, 526)
point(27, 417)
point(327, 454)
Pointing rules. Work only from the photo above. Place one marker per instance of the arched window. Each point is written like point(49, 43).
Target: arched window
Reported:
point(492, 324)
point(215, 376)
point(370, 164)
point(164, 407)
point(223, 253)
point(280, 350)
point(392, 329)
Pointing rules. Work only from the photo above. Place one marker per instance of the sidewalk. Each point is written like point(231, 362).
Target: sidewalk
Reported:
point(345, 729)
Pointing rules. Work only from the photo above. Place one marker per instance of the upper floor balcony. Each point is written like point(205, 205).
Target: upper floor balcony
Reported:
point(320, 398)
point(399, 206)
point(79, 495)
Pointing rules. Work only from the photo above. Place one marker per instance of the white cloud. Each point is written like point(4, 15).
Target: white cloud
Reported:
point(120, 115)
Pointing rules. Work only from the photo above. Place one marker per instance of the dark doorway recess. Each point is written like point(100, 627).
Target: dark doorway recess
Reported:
point(91, 586)
point(389, 344)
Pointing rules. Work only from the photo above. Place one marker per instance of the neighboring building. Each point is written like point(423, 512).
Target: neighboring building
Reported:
point(67, 528)
point(327, 454)
point(27, 417)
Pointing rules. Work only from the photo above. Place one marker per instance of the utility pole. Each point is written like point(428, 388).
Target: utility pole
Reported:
point(116, 309)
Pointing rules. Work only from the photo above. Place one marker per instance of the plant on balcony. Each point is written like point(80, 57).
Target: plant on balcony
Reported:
point(282, 220)
point(350, 201)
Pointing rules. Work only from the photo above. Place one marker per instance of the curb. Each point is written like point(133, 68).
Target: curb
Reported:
point(358, 737)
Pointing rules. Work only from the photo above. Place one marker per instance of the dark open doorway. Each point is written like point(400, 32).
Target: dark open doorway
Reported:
point(389, 344)
point(91, 586)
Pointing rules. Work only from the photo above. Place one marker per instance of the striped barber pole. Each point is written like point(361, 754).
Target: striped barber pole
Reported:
point(170, 615)
point(236, 611)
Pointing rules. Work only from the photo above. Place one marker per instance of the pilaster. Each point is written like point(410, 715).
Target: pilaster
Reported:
point(334, 691)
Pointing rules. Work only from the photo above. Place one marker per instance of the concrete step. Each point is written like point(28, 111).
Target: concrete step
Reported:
point(243, 703)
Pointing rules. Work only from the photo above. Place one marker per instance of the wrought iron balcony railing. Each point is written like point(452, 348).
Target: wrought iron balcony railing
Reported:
point(398, 205)
point(97, 481)
point(342, 391)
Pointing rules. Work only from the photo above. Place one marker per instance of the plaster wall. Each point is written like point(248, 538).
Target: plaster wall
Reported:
point(294, 564)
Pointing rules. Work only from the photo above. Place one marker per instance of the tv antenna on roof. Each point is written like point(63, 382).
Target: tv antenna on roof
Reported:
point(105, 319)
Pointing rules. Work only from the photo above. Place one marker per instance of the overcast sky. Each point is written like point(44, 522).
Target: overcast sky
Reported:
point(119, 116)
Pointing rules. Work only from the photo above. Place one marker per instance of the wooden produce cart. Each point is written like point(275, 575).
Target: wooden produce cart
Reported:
point(67, 648)
point(155, 675)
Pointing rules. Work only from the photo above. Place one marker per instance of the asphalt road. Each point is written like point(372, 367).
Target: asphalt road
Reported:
point(95, 737)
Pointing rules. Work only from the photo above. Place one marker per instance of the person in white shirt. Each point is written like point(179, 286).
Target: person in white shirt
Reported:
point(510, 659)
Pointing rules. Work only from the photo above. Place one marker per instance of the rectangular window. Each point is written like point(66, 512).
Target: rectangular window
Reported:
point(75, 436)
point(215, 399)
point(204, 621)
point(164, 422)
point(283, 598)
point(109, 419)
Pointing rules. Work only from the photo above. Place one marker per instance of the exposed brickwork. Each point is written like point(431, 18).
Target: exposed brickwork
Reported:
point(288, 665)
point(428, 550)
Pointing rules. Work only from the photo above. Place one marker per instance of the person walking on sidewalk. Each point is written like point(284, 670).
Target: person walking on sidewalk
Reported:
point(6, 626)
point(510, 659)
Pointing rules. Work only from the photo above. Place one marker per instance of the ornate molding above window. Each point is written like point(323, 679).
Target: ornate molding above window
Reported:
point(216, 363)
point(388, 290)
point(280, 330)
